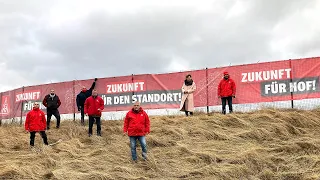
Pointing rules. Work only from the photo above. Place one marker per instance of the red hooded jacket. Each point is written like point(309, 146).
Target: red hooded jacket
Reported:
point(227, 88)
point(35, 120)
point(92, 104)
point(136, 123)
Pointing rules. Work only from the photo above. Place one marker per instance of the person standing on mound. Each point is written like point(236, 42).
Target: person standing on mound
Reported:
point(137, 126)
point(36, 122)
point(226, 91)
point(93, 107)
point(81, 98)
point(188, 88)
point(52, 103)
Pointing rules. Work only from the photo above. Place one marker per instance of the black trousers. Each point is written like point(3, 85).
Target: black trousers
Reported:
point(56, 114)
point(82, 114)
point(224, 102)
point(185, 111)
point(33, 136)
point(98, 122)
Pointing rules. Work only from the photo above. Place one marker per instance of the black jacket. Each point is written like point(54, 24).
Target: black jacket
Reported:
point(82, 96)
point(51, 103)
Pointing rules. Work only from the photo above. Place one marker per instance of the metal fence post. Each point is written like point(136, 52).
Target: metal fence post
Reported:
point(291, 83)
point(207, 87)
point(21, 111)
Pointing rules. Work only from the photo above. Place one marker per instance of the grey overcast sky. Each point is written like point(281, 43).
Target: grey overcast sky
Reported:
point(43, 41)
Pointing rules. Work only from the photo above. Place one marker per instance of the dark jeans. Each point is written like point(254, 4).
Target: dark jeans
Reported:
point(98, 122)
point(82, 114)
point(133, 145)
point(33, 136)
point(224, 102)
point(56, 114)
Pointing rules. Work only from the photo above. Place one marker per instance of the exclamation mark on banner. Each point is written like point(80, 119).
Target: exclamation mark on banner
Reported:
point(180, 97)
point(314, 85)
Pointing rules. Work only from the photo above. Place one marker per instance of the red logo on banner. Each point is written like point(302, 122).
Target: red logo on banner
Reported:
point(5, 106)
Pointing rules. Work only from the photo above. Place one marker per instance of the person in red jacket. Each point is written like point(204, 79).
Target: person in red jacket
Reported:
point(226, 90)
point(93, 107)
point(36, 122)
point(136, 126)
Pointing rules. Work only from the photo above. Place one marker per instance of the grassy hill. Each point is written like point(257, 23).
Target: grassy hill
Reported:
point(267, 144)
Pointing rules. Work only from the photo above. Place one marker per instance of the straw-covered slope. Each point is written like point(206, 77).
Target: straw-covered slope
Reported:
point(267, 144)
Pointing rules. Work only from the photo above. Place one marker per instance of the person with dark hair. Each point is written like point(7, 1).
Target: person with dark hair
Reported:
point(81, 98)
point(137, 125)
point(188, 88)
point(52, 103)
point(226, 90)
point(36, 122)
point(93, 107)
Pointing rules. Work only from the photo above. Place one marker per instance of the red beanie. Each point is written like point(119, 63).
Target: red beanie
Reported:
point(224, 73)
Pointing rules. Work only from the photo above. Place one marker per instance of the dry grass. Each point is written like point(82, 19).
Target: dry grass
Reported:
point(269, 144)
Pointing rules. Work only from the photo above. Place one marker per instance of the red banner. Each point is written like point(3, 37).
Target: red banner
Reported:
point(250, 80)
point(305, 74)
point(262, 82)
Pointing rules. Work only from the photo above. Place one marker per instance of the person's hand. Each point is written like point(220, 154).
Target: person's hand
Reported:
point(79, 108)
point(26, 131)
point(86, 114)
point(234, 96)
point(125, 134)
point(99, 109)
point(219, 97)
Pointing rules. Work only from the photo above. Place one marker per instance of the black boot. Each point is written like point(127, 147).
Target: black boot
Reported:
point(31, 142)
point(32, 137)
point(186, 112)
point(44, 137)
point(45, 141)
